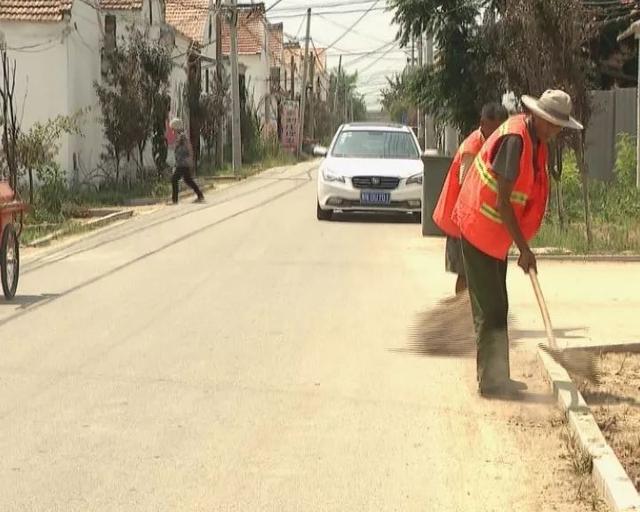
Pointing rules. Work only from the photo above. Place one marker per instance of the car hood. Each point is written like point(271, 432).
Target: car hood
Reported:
point(350, 167)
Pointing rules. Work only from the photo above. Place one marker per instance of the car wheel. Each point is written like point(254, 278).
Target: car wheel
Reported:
point(417, 216)
point(323, 214)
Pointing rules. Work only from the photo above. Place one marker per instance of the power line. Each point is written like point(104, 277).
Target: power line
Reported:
point(340, 3)
point(272, 6)
point(327, 13)
point(382, 49)
point(337, 24)
point(346, 32)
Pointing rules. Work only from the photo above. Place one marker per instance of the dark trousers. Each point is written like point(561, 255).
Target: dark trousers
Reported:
point(487, 281)
point(185, 174)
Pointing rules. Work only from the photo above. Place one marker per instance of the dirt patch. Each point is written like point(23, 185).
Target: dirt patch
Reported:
point(616, 407)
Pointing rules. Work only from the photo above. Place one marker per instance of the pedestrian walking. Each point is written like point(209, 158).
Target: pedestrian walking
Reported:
point(491, 117)
point(502, 201)
point(183, 162)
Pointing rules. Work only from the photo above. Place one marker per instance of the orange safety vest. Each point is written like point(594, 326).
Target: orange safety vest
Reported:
point(475, 212)
point(449, 195)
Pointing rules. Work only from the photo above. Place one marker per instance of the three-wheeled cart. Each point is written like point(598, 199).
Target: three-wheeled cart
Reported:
point(11, 214)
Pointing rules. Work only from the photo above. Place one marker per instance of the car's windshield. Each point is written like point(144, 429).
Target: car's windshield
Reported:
point(375, 144)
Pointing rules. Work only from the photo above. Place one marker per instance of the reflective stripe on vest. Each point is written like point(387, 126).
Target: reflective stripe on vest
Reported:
point(476, 213)
point(442, 214)
point(486, 177)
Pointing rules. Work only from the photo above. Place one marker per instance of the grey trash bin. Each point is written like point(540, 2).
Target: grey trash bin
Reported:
point(436, 168)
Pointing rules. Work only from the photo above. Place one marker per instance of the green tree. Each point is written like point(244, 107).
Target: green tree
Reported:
point(132, 98)
point(343, 94)
point(395, 98)
point(215, 106)
point(539, 44)
point(456, 86)
point(39, 147)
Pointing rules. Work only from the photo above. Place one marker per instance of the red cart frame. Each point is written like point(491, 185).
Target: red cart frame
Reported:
point(11, 214)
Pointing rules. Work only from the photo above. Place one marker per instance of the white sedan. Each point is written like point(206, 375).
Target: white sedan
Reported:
point(370, 167)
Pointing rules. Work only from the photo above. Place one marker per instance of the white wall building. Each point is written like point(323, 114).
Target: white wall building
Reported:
point(57, 45)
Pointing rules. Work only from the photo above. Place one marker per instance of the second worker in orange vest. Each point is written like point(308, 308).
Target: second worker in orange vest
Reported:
point(502, 201)
point(491, 117)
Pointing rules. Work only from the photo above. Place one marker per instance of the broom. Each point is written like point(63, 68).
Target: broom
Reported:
point(445, 330)
point(579, 362)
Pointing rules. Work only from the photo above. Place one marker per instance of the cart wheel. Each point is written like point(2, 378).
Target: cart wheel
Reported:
point(9, 261)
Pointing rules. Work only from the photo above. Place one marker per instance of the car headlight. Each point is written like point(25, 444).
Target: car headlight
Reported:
point(415, 179)
point(330, 176)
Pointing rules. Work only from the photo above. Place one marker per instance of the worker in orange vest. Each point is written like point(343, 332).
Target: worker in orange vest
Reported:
point(491, 117)
point(503, 201)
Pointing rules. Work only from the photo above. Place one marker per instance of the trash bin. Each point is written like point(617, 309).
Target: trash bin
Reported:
point(436, 168)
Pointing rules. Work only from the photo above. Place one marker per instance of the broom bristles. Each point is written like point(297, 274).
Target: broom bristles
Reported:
point(580, 363)
point(446, 329)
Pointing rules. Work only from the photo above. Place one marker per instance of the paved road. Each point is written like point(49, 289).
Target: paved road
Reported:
point(239, 355)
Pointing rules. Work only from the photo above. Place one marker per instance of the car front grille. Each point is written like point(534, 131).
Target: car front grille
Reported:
point(375, 182)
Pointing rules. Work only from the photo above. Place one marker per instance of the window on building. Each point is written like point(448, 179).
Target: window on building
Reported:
point(206, 81)
point(150, 12)
point(210, 29)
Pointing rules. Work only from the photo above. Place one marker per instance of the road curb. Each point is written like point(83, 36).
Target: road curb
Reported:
point(151, 201)
point(92, 224)
point(607, 472)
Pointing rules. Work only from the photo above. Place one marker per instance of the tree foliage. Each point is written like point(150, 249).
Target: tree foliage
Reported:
point(454, 89)
point(132, 97)
point(9, 120)
point(395, 97)
point(39, 146)
point(215, 106)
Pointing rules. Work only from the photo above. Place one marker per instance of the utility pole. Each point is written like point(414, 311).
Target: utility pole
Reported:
point(638, 118)
point(219, 71)
point(413, 52)
point(345, 105)
point(293, 77)
point(235, 88)
point(312, 102)
point(334, 110)
point(267, 103)
point(429, 125)
point(420, 63)
point(303, 90)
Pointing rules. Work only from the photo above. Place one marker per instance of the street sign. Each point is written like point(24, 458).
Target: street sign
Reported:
point(290, 125)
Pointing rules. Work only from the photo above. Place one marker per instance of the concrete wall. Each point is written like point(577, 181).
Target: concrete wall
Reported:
point(41, 91)
point(256, 75)
point(83, 47)
point(614, 113)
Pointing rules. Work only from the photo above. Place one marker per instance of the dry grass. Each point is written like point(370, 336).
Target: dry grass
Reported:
point(616, 406)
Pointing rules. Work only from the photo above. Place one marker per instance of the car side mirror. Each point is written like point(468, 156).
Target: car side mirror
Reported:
point(320, 151)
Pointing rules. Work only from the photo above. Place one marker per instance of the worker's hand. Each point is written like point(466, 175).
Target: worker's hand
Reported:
point(527, 260)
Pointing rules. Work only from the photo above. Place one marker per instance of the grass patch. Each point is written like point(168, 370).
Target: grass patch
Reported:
point(615, 238)
point(110, 195)
point(207, 168)
point(614, 208)
point(33, 232)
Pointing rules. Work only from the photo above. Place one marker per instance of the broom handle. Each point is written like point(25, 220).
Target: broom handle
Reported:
point(543, 309)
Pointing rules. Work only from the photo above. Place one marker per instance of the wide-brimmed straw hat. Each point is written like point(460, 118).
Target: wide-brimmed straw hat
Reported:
point(554, 106)
point(177, 124)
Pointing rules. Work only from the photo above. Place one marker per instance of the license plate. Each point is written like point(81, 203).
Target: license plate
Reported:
point(375, 198)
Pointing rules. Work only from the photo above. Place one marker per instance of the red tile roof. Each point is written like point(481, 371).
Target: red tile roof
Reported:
point(34, 10)
point(297, 52)
point(189, 17)
point(121, 5)
point(251, 27)
point(54, 10)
